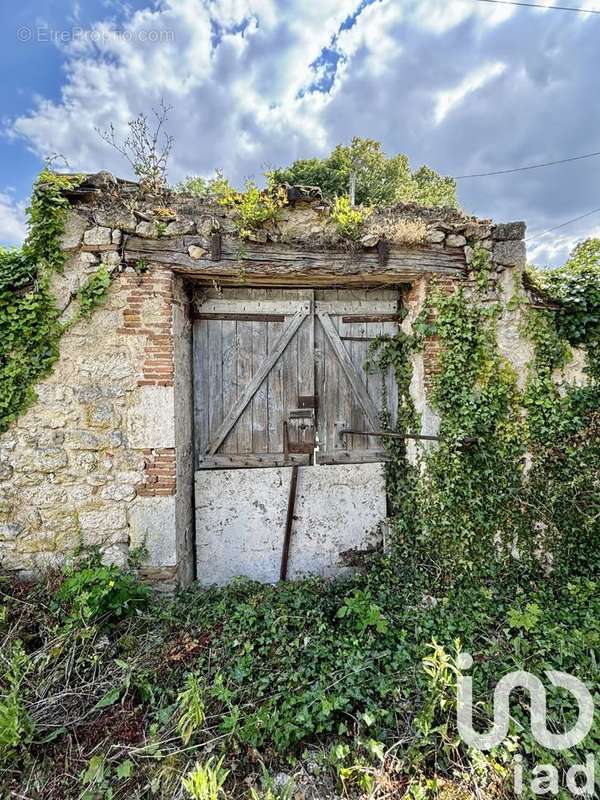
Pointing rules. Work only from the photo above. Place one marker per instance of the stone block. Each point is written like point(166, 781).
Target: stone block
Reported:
point(107, 518)
point(118, 492)
point(116, 218)
point(196, 252)
point(147, 230)
point(75, 227)
point(59, 520)
point(88, 440)
point(509, 253)
point(101, 415)
point(151, 418)
point(111, 259)
point(82, 463)
point(180, 227)
point(43, 496)
point(88, 394)
point(116, 554)
point(455, 240)
point(48, 459)
point(111, 365)
point(98, 236)
point(8, 533)
point(509, 230)
point(370, 240)
point(6, 472)
point(152, 525)
point(435, 236)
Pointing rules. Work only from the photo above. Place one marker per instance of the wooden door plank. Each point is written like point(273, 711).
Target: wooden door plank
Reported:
point(354, 456)
point(356, 380)
point(357, 350)
point(275, 384)
point(215, 376)
point(345, 396)
point(201, 386)
point(305, 341)
point(230, 357)
point(330, 378)
point(257, 380)
point(254, 304)
point(290, 376)
point(252, 461)
point(391, 329)
point(260, 436)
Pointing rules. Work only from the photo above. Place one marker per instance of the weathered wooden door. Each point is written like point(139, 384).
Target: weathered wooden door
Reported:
point(279, 372)
point(280, 380)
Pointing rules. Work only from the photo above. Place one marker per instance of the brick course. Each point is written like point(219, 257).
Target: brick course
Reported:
point(152, 289)
point(160, 473)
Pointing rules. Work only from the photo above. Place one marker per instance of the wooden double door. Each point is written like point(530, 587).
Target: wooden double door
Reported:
point(280, 377)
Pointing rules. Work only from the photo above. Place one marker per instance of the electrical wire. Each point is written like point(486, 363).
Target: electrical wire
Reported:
point(563, 224)
point(523, 169)
point(541, 5)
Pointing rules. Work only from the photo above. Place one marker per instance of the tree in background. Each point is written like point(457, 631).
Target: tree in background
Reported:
point(380, 180)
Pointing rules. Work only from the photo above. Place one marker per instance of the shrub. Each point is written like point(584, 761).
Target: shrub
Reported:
point(348, 220)
point(96, 593)
point(253, 207)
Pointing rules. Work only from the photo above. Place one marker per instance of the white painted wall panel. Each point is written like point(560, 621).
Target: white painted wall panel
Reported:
point(240, 520)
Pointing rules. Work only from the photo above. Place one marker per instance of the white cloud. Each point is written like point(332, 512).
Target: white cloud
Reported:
point(448, 99)
point(555, 247)
point(456, 85)
point(12, 221)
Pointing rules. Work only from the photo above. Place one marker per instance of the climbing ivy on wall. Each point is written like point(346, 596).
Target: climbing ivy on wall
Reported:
point(513, 482)
point(29, 325)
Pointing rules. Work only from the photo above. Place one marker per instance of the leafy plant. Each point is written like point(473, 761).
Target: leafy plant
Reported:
point(575, 289)
point(360, 609)
point(16, 727)
point(191, 708)
point(94, 292)
point(526, 618)
point(271, 789)
point(348, 220)
point(213, 188)
point(97, 593)
point(253, 207)
point(160, 228)
point(205, 781)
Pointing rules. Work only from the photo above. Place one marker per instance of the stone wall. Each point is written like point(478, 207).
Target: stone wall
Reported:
point(105, 456)
point(95, 461)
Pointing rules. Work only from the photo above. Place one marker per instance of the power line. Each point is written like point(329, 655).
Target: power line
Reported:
point(563, 224)
point(541, 5)
point(523, 169)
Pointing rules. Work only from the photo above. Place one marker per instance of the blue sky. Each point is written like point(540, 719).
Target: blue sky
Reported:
point(461, 85)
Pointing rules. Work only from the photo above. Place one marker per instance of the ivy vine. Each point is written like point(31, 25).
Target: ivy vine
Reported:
point(526, 496)
point(29, 320)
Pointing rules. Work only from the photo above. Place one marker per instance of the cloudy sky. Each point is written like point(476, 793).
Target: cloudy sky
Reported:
point(464, 86)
